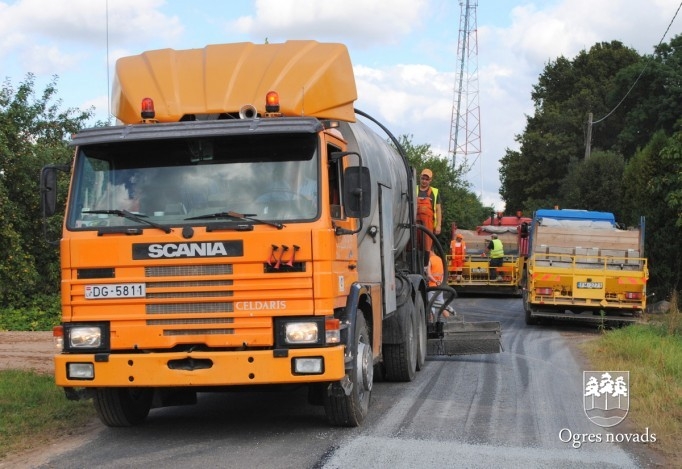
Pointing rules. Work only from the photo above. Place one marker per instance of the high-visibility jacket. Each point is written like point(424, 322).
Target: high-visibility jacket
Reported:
point(497, 250)
point(426, 208)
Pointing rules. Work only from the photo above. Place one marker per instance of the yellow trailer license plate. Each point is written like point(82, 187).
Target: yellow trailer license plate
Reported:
point(596, 285)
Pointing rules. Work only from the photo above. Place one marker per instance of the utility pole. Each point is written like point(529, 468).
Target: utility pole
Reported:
point(588, 143)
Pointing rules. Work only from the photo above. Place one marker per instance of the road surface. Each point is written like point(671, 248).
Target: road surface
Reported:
point(520, 408)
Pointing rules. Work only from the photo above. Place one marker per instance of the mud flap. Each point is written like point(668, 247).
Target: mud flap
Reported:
point(464, 338)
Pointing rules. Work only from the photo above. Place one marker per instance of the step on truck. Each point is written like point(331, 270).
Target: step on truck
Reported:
point(468, 271)
point(238, 228)
point(582, 265)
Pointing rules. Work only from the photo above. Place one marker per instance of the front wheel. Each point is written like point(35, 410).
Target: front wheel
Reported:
point(123, 407)
point(350, 410)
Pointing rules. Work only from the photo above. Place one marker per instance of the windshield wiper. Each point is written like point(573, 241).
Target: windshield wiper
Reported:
point(140, 218)
point(237, 216)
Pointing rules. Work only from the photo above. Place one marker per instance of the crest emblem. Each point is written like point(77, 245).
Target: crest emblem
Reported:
point(606, 396)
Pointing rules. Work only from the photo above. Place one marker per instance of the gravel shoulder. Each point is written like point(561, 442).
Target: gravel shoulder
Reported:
point(20, 350)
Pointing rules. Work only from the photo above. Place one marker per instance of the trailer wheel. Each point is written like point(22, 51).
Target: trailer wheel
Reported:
point(420, 327)
point(123, 407)
point(400, 360)
point(350, 410)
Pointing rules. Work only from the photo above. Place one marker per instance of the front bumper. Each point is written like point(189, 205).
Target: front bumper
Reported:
point(224, 368)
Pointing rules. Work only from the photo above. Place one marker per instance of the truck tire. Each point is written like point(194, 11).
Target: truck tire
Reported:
point(420, 327)
point(400, 360)
point(350, 410)
point(123, 407)
point(530, 320)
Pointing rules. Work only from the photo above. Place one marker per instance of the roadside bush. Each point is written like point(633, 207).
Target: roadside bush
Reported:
point(41, 314)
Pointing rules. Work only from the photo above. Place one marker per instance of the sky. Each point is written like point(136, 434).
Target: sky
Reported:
point(404, 53)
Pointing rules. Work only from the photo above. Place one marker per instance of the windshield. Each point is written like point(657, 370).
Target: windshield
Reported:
point(169, 182)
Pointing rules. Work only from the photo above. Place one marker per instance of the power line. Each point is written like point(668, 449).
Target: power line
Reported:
point(590, 122)
point(643, 69)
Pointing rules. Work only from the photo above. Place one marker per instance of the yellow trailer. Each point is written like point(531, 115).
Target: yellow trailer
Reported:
point(583, 266)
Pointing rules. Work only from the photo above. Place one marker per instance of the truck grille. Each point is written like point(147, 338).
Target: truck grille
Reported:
point(194, 289)
point(199, 300)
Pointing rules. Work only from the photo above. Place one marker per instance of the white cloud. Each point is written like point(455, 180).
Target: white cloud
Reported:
point(44, 60)
point(86, 21)
point(409, 99)
point(98, 103)
point(358, 22)
point(570, 26)
point(58, 27)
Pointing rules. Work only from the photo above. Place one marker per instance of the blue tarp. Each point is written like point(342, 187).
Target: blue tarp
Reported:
point(569, 214)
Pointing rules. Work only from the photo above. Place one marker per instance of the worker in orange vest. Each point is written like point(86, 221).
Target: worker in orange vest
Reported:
point(458, 251)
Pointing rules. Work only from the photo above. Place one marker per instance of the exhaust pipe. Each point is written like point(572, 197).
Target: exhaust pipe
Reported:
point(248, 111)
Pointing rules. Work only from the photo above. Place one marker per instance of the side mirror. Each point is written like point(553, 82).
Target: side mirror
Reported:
point(48, 190)
point(357, 191)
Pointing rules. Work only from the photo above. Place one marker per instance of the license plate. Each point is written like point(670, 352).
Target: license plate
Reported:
point(120, 290)
point(590, 285)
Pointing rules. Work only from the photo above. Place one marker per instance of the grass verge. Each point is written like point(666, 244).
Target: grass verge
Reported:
point(652, 353)
point(33, 410)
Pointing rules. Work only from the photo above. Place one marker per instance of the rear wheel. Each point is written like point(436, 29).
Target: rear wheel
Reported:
point(420, 327)
point(123, 407)
point(530, 320)
point(350, 410)
point(400, 360)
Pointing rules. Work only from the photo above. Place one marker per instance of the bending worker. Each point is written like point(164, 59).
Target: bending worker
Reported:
point(435, 274)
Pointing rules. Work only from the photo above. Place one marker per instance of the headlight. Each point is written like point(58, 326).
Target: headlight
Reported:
point(82, 337)
point(86, 337)
point(301, 333)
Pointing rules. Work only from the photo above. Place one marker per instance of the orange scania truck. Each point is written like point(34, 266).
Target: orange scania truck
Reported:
point(238, 227)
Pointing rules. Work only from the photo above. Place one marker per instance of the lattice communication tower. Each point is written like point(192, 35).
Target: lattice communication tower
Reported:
point(465, 129)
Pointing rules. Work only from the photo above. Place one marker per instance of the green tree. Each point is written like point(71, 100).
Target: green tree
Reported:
point(595, 183)
point(650, 182)
point(653, 90)
point(671, 157)
point(33, 133)
point(554, 138)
